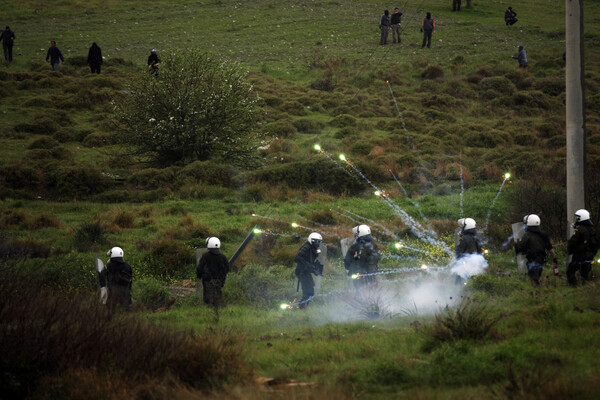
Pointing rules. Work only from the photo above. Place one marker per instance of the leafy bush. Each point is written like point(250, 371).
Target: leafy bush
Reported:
point(342, 121)
point(43, 127)
point(43, 142)
point(282, 128)
point(171, 258)
point(209, 172)
point(498, 83)
point(293, 107)
point(199, 107)
point(306, 125)
point(150, 293)
point(75, 181)
point(100, 139)
point(89, 234)
point(434, 71)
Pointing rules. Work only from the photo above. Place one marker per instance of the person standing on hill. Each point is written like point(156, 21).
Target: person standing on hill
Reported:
point(521, 57)
point(469, 242)
point(456, 5)
point(534, 245)
point(94, 59)
point(307, 264)
point(117, 277)
point(428, 29)
point(54, 55)
point(396, 25)
point(212, 270)
point(153, 62)
point(8, 38)
point(582, 246)
point(510, 17)
point(362, 258)
point(384, 26)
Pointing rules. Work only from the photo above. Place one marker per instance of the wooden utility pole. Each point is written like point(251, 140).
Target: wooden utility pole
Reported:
point(575, 112)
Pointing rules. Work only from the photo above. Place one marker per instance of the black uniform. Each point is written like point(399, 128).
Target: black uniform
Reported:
point(117, 277)
point(212, 269)
point(153, 62)
point(534, 245)
point(510, 17)
point(94, 59)
point(583, 246)
point(428, 27)
point(396, 20)
point(307, 264)
point(456, 5)
point(468, 244)
point(384, 25)
point(8, 37)
point(362, 258)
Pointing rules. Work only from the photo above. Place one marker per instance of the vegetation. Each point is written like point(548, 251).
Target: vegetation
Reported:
point(73, 183)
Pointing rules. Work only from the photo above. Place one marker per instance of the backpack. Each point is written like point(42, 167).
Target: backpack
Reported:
point(369, 254)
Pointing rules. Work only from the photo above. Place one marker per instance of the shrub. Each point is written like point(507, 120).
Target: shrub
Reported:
point(327, 84)
point(20, 176)
point(293, 107)
point(100, 139)
point(38, 101)
point(346, 132)
point(306, 125)
point(76, 181)
point(153, 178)
point(24, 248)
point(173, 258)
point(434, 71)
point(43, 142)
point(282, 128)
point(43, 127)
point(90, 234)
point(150, 293)
point(259, 286)
point(470, 320)
point(44, 221)
point(498, 83)
point(342, 121)
point(209, 172)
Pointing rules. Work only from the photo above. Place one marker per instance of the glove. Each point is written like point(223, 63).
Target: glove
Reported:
point(103, 295)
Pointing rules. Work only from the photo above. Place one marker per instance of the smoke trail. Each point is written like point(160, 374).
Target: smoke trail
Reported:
point(370, 221)
point(489, 213)
point(413, 202)
point(462, 188)
point(468, 266)
point(293, 224)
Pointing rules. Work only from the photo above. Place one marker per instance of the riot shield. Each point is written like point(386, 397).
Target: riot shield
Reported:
point(103, 289)
point(518, 230)
point(199, 253)
point(345, 244)
point(99, 264)
point(457, 235)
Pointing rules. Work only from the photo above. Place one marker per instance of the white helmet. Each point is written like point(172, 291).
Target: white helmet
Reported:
point(582, 215)
point(355, 231)
point(532, 220)
point(468, 223)
point(363, 230)
point(314, 238)
point(461, 222)
point(153, 51)
point(115, 252)
point(213, 243)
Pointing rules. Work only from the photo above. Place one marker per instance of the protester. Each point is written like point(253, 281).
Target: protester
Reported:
point(428, 29)
point(8, 38)
point(384, 26)
point(153, 62)
point(396, 25)
point(521, 57)
point(94, 59)
point(510, 17)
point(54, 55)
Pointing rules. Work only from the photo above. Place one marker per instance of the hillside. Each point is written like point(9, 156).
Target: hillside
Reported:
point(426, 136)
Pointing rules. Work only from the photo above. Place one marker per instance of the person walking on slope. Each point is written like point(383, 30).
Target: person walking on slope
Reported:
point(8, 38)
point(117, 277)
point(582, 246)
point(428, 29)
point(384, 26)
point(469, 242)
point(54, 55)
point(534, 245)
point(307, 264)
point(521, 57)
point(94, 59)
point(153, 62)
point(362, 257)
point(212, 270)
point(396, 25)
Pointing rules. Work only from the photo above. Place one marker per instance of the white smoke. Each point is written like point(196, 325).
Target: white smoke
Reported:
point(468, 266)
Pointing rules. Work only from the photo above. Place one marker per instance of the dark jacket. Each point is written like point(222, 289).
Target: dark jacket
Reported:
point(384, 21)
point(428, 24)
point(7, 37)
point(468, 244)
point(213, 266)
point(54, 55)
point(361, 254)
point(522, 56)
point(534, 245)
point(582, 245)
point(118, 277)
point(307, 261)
point(153, 59)
point(395, 19)
point(509, 15)
point(94, 55)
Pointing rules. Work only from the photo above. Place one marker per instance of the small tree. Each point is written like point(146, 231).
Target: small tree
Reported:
point(198, 107)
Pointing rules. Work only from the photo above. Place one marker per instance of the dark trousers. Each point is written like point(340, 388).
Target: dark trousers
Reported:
point(385, 30)
point(212, 293)
point(396, 29)
point(7, 51)
point(584, 268)
point(95, 68)
point(456, 5)
point(119, 295)
point(427, 38)
point(534, 270)
point(308, 288)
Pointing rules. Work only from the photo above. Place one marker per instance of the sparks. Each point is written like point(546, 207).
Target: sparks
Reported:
point(399, 245)
point(355, 276)
point(294, 225)
point(317, 147)
point(486, 251)
point(257, 230)
point(284, 306)
point(342, 157)
point(377, 193)
point(507, 175)
point(424, 267)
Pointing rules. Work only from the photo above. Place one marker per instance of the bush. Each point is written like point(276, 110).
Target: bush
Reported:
point(90, 234)
point(43, 142)
point(434, 71)
point(76, 181)
point(99, 139)
point(209, 172)
point(199, 107)
point(293, 107)
point(498, 83)
point(150, 293)
point(153, 178)
point(42, 127)
point(306, 125)
point(173, 258)
point(258, 286)
point(342, 121)
point(346, 132)
point(283, 128)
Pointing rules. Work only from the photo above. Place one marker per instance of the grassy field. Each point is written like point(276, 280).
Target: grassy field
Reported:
point(69, 190)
